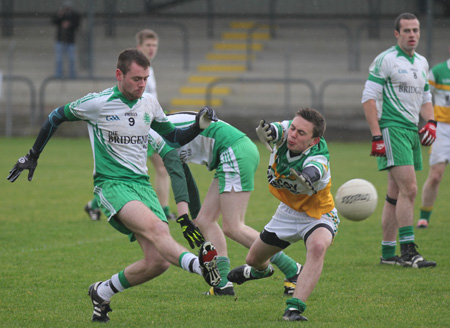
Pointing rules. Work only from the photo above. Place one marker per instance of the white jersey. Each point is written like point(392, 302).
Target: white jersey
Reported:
point(150, 87)
point(118, 130)
point(404, 87)
point(207, 147)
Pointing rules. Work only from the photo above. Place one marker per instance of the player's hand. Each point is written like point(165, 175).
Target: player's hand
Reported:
point(204, 117)
point(304, 179)
point(428, 133)
point(378, 147)
point(265, 133)
point(27, 162)
point(190, 231)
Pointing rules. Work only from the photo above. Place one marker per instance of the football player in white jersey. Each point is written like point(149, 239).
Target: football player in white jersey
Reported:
point(299, 176)
point(440, 152)
point(395, 94)
point(235, 158)
point(147, 42)
point(119, 120)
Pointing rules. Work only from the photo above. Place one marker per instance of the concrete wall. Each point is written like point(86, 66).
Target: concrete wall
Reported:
point(229, 7)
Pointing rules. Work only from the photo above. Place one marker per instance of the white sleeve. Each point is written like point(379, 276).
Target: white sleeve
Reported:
point(426, 97)
point(372, 90)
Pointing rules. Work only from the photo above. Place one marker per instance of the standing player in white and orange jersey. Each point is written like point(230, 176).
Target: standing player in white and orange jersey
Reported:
point(439, 79)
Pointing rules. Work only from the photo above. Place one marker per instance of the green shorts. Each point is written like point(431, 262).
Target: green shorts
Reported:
point(113, 195)
point(237, 167)
point(402, 148)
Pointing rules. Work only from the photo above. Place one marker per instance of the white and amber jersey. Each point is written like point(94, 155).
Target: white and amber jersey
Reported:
point(118, 130)
point(284, 186)
point(404, 84)
point(439, 79)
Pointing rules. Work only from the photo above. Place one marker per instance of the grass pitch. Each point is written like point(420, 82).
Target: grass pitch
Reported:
point(50, 252)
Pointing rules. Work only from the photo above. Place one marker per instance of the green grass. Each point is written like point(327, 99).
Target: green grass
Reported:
point(50, 252)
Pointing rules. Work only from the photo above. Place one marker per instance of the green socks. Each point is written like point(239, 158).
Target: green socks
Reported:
point(286, 264)
point(388, 249)
point(261, 274)
point(425, 213)
point(406, 235)
point(296, 304)
point(223, 264)
point(166, 210)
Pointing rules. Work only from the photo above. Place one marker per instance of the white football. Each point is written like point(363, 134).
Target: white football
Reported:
point(356, 199)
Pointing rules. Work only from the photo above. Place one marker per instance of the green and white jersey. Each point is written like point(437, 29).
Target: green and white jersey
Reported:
point(118, 130)
point(440, 86)
point(404, 85)
point(207, 147)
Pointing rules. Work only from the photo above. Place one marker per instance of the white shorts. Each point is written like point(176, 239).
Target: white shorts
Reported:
point(440, 150)
point(291, 226)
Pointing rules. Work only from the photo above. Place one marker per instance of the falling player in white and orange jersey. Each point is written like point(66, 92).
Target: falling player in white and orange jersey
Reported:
point(299, 176)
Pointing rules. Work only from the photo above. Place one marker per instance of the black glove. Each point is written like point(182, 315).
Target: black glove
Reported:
point(204, 117)
point(190, 231)
point(27, 162)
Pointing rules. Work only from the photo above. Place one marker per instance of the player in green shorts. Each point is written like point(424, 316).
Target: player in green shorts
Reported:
point(396, 94)
point(235, 158)
point(119, 120)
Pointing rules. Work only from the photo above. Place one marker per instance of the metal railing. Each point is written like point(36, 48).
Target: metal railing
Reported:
point(317, 97)
point(335, 81)
point(286, 81)
point(52, 79)
point(9, 79)
point(348, 32)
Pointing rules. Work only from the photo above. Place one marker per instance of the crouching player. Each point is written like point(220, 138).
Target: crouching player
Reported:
point(299, 176)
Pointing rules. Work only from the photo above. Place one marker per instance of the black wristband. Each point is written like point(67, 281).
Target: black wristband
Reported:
point(432, 121)
point(33, 154)
point(377, 138)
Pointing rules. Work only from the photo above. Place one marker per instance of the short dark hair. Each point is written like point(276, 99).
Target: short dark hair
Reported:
point(316, 118)
point(129, 56)
point(407, 16)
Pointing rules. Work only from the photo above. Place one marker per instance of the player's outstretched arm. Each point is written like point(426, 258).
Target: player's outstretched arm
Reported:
point(204, 117)
point(181, 136)
point(29, 161)
point(266, 133)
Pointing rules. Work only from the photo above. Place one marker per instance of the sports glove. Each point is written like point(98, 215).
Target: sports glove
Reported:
point(428, 133)
point(27, 162)
point(204, 117)
point(378, 147)
point(190, 231)
point(303, 178)
point(266, 133)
